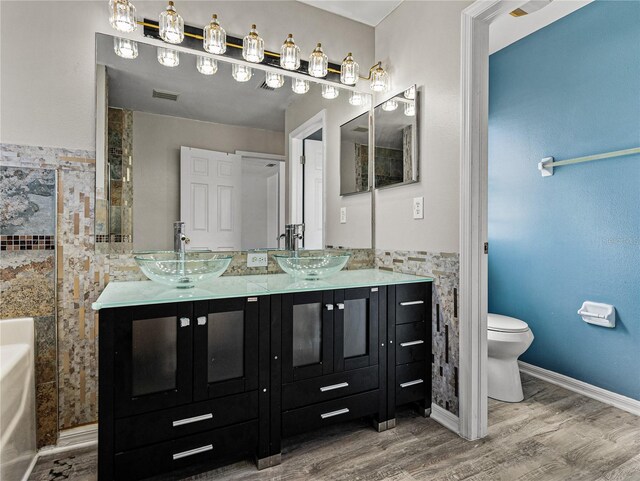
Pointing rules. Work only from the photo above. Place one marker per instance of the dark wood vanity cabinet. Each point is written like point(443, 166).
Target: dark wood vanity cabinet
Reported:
point(180, 385)
point(184, 385)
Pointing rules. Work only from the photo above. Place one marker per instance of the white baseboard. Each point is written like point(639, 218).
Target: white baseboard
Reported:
point(444, 417)
point(616, 400)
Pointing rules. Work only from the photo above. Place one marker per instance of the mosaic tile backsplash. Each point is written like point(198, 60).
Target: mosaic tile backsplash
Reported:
point(444, 268)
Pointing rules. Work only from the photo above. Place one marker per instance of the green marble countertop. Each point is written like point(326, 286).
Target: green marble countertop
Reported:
point(140, 293)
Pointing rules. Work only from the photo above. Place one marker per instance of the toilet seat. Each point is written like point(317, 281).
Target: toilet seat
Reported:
point(500, 323)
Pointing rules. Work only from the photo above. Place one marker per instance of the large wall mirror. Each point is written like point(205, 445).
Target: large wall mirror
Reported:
point(216, 152)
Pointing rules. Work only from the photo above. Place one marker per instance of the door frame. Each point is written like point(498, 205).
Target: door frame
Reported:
point(474, 119)
point(294, 184)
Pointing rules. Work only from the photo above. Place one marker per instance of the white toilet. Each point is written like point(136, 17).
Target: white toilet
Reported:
point(508, 339)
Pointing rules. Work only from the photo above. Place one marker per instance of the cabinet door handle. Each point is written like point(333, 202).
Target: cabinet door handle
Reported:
point(194, 419)
point(191, 452)
point(334, 386)
point(334, 413)
point(411, 383)
point(411, 343)
point(202, 320)
point(184, 322)
point(340, 305)
point(329, 307)
point(411, 303)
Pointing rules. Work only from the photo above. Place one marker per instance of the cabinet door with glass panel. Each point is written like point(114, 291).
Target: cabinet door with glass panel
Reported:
point(329, 331)
point(153, 359)
point(226, 341)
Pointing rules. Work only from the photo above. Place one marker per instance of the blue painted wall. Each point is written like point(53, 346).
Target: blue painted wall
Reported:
point(568, 90)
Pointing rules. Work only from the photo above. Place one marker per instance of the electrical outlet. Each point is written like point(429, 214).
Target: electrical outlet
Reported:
point(343, 215)
point(257, 259)
point(418, 207)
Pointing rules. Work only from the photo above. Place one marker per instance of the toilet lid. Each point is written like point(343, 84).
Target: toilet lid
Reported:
point(500, 323)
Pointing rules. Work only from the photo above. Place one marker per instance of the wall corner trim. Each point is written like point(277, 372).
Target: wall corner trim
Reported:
point(445, 418)
point(613, 399)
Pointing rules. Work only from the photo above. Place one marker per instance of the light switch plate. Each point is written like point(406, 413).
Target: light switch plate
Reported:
point(257, 259)
point(343, 215)
point(418, 207)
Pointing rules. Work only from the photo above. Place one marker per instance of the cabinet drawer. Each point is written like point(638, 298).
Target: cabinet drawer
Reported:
point(198, 448)
point(332, 386)
point(410, 303)
point(184, 420)
point(411, 382)
point(410, 342)
point(330, 412)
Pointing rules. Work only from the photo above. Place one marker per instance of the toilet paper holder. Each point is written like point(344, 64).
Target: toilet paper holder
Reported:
point(598, 314)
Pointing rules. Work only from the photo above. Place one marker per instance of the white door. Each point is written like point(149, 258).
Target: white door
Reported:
point(313, 198)
point(210, 194)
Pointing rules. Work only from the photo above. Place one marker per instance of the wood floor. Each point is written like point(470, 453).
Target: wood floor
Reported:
point(553, 435)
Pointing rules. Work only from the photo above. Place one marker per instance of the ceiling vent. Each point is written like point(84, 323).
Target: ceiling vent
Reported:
point(270, 165)
point(162, 94)
point(264, 86)
point(361, 129)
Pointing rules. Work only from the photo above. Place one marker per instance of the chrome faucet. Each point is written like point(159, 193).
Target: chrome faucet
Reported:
point(180, 240)
point(293, 236)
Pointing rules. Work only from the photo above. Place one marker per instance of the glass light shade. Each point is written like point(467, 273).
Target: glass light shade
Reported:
point(379, 79)
point(215, 37)
point(299, 86)
point(122, 15)
point(241, 73)
point(125, 48)
point(206, 65)
point(290, 54)
point(390, 105)
point(253, 46)
point(318, 63)
point(349, 71)
point(410, 93)
point(330, 92)
point(274, 80)
point(410, 109)
point(168, 57)
point(356, 99)
point(171, 25)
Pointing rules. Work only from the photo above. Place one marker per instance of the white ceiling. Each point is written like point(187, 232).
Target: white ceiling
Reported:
point(363, 11)
point(507, 29)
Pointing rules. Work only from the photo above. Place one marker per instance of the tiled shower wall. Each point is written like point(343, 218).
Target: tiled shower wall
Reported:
point(444, 268)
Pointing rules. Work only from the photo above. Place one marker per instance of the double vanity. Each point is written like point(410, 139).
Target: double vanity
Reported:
point(193, 378)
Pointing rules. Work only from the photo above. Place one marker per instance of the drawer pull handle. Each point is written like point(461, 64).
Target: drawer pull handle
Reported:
point(185, 321)
point(411, 303)
point(329, 307)
point(192, 452)
point(334, 386)
point(195, 419)
point(411, 383)
point(202, 320)
point(334, 413)
point(411, 343)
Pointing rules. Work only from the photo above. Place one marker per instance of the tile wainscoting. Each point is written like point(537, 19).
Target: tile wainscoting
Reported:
point(444, 268)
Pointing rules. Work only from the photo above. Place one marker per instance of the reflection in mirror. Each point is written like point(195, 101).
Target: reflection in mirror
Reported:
point(198, 145)
point(396, 139)
point(354, 155)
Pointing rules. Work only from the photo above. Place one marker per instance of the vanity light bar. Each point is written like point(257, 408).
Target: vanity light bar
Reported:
point(193, 40)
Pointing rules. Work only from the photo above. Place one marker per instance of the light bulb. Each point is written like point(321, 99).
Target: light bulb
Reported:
point(206, 65)
point(356, 99)
point(410, 93)
point(410, 109)
point(299, 86)
point(168, 57)
point(379, 79)
point(122, 15)
point(274, 80)
point(330, 92)
point(215, 38)
point(349, 70)
point(290, 54)
point(171, 25)
point(125, 48)
point(390, 105)
point(241, 73)
point(253, 46)
point(318, 63)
